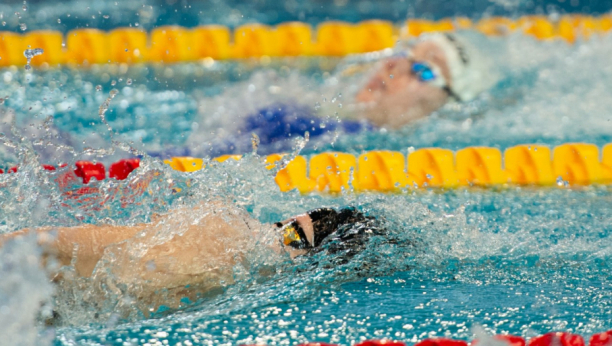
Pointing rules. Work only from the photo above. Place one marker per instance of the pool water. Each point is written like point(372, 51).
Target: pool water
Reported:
point(462, 262)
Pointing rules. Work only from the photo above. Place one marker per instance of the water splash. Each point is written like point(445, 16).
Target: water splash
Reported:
point(24, 289)
point(255, 142)
point(104, 107)
point(29, 54)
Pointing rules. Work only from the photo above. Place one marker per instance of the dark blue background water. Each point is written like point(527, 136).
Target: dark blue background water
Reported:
point(151, 13)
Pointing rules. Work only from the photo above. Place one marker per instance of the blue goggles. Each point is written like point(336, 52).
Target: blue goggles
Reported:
point(423, 72)
point(427, 74)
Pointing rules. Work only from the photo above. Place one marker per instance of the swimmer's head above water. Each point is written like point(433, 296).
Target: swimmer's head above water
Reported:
point(419, 79)
point(309, 231)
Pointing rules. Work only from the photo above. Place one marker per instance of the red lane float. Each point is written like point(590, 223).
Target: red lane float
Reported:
point(601, 339)
point(557, 339)
point(87, 170)
point(441, 342)
point(549, 339)
point(121, 169)
point(381, 343)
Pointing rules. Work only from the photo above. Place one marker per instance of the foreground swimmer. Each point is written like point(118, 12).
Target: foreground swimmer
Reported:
point(197, 256)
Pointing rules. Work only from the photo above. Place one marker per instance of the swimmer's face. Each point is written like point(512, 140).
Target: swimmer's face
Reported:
point(394, 96)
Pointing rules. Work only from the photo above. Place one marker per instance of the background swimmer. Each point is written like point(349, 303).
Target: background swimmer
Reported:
point(417, 79)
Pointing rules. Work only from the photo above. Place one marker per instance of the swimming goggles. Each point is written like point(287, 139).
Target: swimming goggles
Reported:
point(293, 235)
point(428, 73)
point(431, 74)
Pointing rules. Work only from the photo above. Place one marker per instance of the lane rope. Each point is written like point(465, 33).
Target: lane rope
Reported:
point(174, 44)
point(566, 165)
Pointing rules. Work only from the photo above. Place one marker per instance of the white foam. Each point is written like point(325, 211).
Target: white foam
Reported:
point(24, 290)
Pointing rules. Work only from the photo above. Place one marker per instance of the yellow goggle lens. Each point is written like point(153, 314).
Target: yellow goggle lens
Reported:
point(290, 235)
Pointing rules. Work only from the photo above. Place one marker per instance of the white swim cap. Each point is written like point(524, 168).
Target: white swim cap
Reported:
point(467, 68)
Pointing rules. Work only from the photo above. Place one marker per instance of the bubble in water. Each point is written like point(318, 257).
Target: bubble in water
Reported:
point(23, 26)
point(29, 54)
point(98, 87)
point(59, 21)
point(113, 83)
point(128, 81)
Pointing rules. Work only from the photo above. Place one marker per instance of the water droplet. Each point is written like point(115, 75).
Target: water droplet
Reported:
point(561, 182)
point(255, 142)
point(128, 81)
point(23, 26)
point(29, 54)
point(391, 76)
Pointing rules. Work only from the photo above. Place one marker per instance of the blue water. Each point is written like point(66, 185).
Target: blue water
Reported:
point(520, 262)
point(514, 260)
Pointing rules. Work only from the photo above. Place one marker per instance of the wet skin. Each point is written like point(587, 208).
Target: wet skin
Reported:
point(394, 96)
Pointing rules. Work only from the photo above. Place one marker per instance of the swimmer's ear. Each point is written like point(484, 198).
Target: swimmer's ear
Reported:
point(279, 224)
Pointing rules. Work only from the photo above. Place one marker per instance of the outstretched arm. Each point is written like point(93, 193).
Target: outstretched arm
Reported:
point(87, 242)
point(193, 248)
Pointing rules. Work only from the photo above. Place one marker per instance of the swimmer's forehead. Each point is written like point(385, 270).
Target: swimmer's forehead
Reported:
point(428, 51)
point(299, 219)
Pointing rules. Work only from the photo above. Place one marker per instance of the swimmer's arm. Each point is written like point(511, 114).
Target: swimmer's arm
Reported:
point(87, 242)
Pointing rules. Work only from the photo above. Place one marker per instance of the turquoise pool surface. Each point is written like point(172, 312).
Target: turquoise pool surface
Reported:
point(518, 260)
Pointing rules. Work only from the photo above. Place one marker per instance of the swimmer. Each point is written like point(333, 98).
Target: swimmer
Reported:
point(413, 81)
point(417, 80)
point(197, 257)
